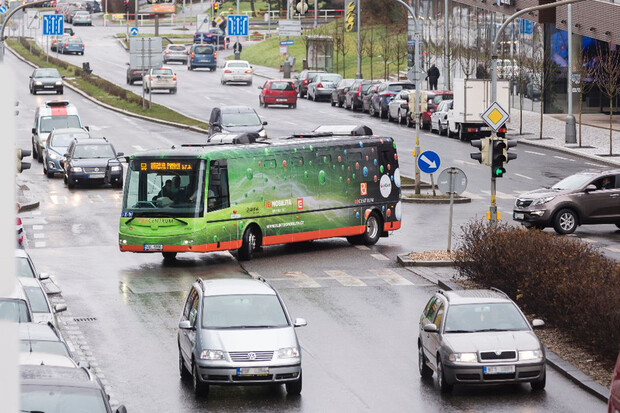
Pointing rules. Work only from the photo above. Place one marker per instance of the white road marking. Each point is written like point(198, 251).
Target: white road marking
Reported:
point(500, 195)
point(301, 279)
point(535, 153)
point(290, 123)
point(380, 257)
point(588, 240)
point(39, 244)
point(523, 176)
point(472, 195)
point(593, 164)
point(391, 277)
point(58, 199)
point(362, 247)
point(563, 158)
point(39, 235)
point(138, 147)
point(345, 279)
point(464, 162)
point(37, 227)
point(95, 198)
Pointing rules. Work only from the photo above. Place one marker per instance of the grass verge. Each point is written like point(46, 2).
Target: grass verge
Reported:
point(100, 89)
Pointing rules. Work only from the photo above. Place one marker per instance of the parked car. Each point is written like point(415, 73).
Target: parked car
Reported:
point(339, 93)
point(354, 97)
point(93, 6)
point(46, 80)
point(25, 266)
point(322, 85)
point(15, 307)
point(237, 71)
point(614, 394)
point(429, 100)
point(162, 78)
point(82, 17)
point(381, 98)
point(478, 337)
point(238, 331)
point(236, 119)
point(175, 53)
point(398, 107)
point(69, 13)
point(303, 79)
point(439, 118)
point(367, 97)
point(202, 55)
point(42, 310)
point(589, 197)
point(278, 92)
point(92, 161)
point(213, 36)
point(42, 338)
point(56, 146)
point(71, 44)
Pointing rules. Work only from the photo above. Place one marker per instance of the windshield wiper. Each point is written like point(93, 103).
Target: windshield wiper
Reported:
point(459, 331)
point(492, 329)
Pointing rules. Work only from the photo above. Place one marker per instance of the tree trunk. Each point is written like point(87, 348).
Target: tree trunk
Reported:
point(580, 108)
point(611, 117)
point(541, 115)
point(371, 72)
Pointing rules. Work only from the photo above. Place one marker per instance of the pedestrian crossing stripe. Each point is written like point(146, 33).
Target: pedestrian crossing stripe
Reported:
point(302, 280)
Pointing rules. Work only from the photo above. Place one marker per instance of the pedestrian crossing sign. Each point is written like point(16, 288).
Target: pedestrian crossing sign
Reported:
point(495, 116)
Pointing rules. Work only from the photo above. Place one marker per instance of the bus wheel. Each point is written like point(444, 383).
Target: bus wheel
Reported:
point(373, 230)
point(248, 245)
point(169, 256)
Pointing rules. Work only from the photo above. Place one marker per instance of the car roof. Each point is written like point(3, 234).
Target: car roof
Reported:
point(234, 286)
point(57, 108)
point(18, 292)
point(69, 130)
point(57, 376)
point(237, 61)
point(30, 282)
point(36, 358)
point(91, 141)
point(37, 332)
point(236, 109)
point(21, 253)
point(456, 297)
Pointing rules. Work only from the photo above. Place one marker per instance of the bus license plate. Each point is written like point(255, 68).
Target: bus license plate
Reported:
point(253, 371)
point(498, 369)
point(518, 215)
point(153, 247)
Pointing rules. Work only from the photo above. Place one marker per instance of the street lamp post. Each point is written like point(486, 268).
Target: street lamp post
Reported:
point(570, 131)
point(358, 75)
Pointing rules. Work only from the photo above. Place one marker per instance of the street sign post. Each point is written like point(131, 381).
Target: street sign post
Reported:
point(495, 116)
point(428, 162)
point(133, 31)
point(289, 28)
point(53, 24)
point(451, 181)
point(33, 20)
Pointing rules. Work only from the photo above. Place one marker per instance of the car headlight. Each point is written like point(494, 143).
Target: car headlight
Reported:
point(262, 133)
point(288, 353)
point(530, 355)
point(59, 82)
point(463, 357)
point(117, 168)
point(76, 169)
point(38, 83)
point(541, 201)
point(212, 355)
point(53, 155)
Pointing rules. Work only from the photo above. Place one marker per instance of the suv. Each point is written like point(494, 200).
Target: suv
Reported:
point(384, 94)
point(53, 115)
point(238, 331)
point(92, 161)
point(303, 79)
point(236, 119)
point(202, 55)
point(589, 197)
point(478, 337)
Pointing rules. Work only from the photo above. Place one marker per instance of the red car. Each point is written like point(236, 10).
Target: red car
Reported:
point(278, 92)
point(614, 396)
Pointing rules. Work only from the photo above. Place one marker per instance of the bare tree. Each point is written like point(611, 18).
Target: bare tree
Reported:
point(582, 80)
point(385, 46)
point(542, 69)
point(520, 77)
point(369, 45)
point(608, 81)
point(400, 50)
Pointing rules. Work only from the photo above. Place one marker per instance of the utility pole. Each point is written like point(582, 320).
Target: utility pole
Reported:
point(358, 75)
point(316, 13)
point(446, 43)
point(570, 131)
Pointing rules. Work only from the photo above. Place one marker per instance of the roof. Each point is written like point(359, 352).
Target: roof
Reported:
point(235, 286)
point(93, 141)
point(57, 376)
point(69, 130)
point(57, 108)
point(33, 358)
point(18, 292)
point(30, 282)
point(236, 109)
point(21, 253)
point(457, 297)
point(37, 331)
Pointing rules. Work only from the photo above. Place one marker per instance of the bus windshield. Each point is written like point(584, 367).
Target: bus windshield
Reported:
point(165, 188)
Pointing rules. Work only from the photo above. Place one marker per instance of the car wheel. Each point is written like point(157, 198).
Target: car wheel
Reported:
point(425, 371)
point(439, 128)
point(189, 67)
point(340, 103)
point(461, 134)
point(69, 182)
point(539, 385)
point(380, 111)
point(408, 121)
point(173, 91)
point(40, 157)
point(61, 91)
point(169, 257)
point(118, 184)
point(50, 174)
point(182, 369)
point(565, 221)
point(389, 116)
point(294, 105)
point(294, 387)
point(200, 388)
point(250, 83)
point(444, 386)
point(248, 244)
point(371, 110)
point(34, 152)
point(333, 103)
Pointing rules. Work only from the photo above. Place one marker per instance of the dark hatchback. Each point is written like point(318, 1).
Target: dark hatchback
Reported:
point(341, 90)
point(92, 161)
point(46, 80)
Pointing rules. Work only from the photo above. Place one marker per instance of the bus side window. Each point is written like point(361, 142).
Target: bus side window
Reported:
point(218, 196)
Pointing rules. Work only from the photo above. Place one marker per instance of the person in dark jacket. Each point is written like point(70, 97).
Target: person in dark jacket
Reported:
point(481, 72)
point(432, 75)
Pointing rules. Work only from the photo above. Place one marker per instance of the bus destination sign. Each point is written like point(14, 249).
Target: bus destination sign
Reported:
point(165, 166)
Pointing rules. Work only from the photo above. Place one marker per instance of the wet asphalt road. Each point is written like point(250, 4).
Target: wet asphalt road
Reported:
point(359, 347)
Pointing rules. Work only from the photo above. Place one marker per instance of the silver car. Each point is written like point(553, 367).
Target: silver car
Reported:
point(398, 107)
point(175, 53)
point(238, 331)
point(322, 86)
point(162, 78)
point(478, 337)
point(82, 17)
point(439, 118)
point(42, 309)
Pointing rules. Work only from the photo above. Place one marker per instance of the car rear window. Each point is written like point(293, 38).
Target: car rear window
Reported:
point(331, 78)
point(52, 347)
point(23, 268)
point(237, 64)
point(36, 297)
point(65, 139)
point(440, 98)
point(14, 311)
point(203, 50)
point(400, 86)
point(162, 71)
point(281, 86)
point(178, 48)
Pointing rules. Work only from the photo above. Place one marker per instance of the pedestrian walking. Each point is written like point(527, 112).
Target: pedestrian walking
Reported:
point(432, 75)
point(481, 72)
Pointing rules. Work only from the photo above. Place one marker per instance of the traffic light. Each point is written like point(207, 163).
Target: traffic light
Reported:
point(501, 155)
point(483, 146)
point(126, 6)
point(20, 155)
point(216, 6)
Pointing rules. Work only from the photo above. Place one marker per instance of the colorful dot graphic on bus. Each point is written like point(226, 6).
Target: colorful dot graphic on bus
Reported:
point(397, 177)
point(322, 177)
point(249, 174)
point(381, 169)
point(284, 163)
point(365, 171)
point(375, 162)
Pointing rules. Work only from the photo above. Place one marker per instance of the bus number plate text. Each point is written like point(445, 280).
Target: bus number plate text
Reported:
point(153, 247)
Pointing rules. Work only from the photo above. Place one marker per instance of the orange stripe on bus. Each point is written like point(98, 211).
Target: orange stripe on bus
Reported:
point(391, 226)
point(308, 235)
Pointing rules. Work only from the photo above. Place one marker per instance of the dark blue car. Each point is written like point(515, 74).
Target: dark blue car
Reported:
point(92, 161)
point(202, 55)
point(214, 36)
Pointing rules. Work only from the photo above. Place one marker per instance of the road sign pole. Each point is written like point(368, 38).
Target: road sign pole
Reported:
point(47, 53)
point(433, 185)
point(451, 173)
point(416, 39)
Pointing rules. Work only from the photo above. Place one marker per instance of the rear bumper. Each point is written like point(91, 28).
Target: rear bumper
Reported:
point(194, 63)
point(232, 77)
point(281, 100)
point(175, 58)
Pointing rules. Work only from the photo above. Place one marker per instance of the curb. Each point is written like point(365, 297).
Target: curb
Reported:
point(459, 200)
point(405, 261)
point(112, 108)
point(563, 367)
point(28, 206)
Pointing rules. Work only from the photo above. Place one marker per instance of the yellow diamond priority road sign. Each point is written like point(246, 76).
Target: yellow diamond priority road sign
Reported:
point(495, 116)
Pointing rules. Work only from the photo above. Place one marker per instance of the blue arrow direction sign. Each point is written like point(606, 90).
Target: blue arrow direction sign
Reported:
point(286, 42)
point(133, 31)
point(238, 25)
point(53, 24)
point(2, 9)
point(428, 162)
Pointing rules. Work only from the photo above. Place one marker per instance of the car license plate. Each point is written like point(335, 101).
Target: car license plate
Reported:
point(485, 128)
point(48, 86)
point(96, 176)
point(253, 371)
point(518, 215)
point(280, 100)
point(153, 247)
point(498, 369)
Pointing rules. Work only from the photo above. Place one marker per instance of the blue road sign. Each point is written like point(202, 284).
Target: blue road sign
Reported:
point(428, 162)
point(133, 31)
point(286, 42)
point(2, 9)
point(53, 24)
point(238, 25)
point(526, 26)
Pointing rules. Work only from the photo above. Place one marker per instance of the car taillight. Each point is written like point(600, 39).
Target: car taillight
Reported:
point(19, 221)
point(388, 94)
point(305, 81)
point(248, 71)
point(319, 84)
point(214, 55)
point(166, 51)
point(191, 55)
point(66, 44)
point(174, 78)
point(82, 44)
point(227, 71)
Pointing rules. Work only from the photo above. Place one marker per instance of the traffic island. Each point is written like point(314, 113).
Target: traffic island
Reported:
point(433, 199)
point(436, 258)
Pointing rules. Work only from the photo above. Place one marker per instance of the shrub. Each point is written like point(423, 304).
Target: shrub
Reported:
point(562, 279)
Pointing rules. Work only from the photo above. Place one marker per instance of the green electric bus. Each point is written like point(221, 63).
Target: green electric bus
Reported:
point(245, 194)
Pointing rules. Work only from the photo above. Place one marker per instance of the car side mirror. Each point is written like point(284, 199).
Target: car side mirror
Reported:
point(59, 308)
point(260, 87)
point(430, 328)
point(44, 276)
point(591, 188)
point(121, 409)
point(87, 128)
point(63, 76)
point(300, 322)
point(127, 64)
point(30, 77)
point(66, 155)
point(185, 325)
point(84, 364)
point(264, 123)
point(119, 154)
point(34, 130)
point(537, 323)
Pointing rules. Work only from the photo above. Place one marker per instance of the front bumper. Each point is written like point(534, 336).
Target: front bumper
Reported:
point(466, 374)
point(228, 375)
point(95, 177)
point(47, 88)
point(53, 165)
point(536, 215)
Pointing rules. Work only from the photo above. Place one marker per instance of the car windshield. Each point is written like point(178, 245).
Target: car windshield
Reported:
point(48, 123)
point(330, 78)
point(237, 64)
point(203, 50)
point(171, 188)
point(243, 311)
point(46, 73)
point(472, 318)
point(51, 347)
point(24, 269)
point(14, 311)
point(281, 86)
point(240, 119)
point(93, 151)
point(440, 98)
point(75, 40)
point(162, 71)
point(36, 298)
point(177, 48)
point(65, 399)
point(401, 86)
point(573, 182)
point(63, 140)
